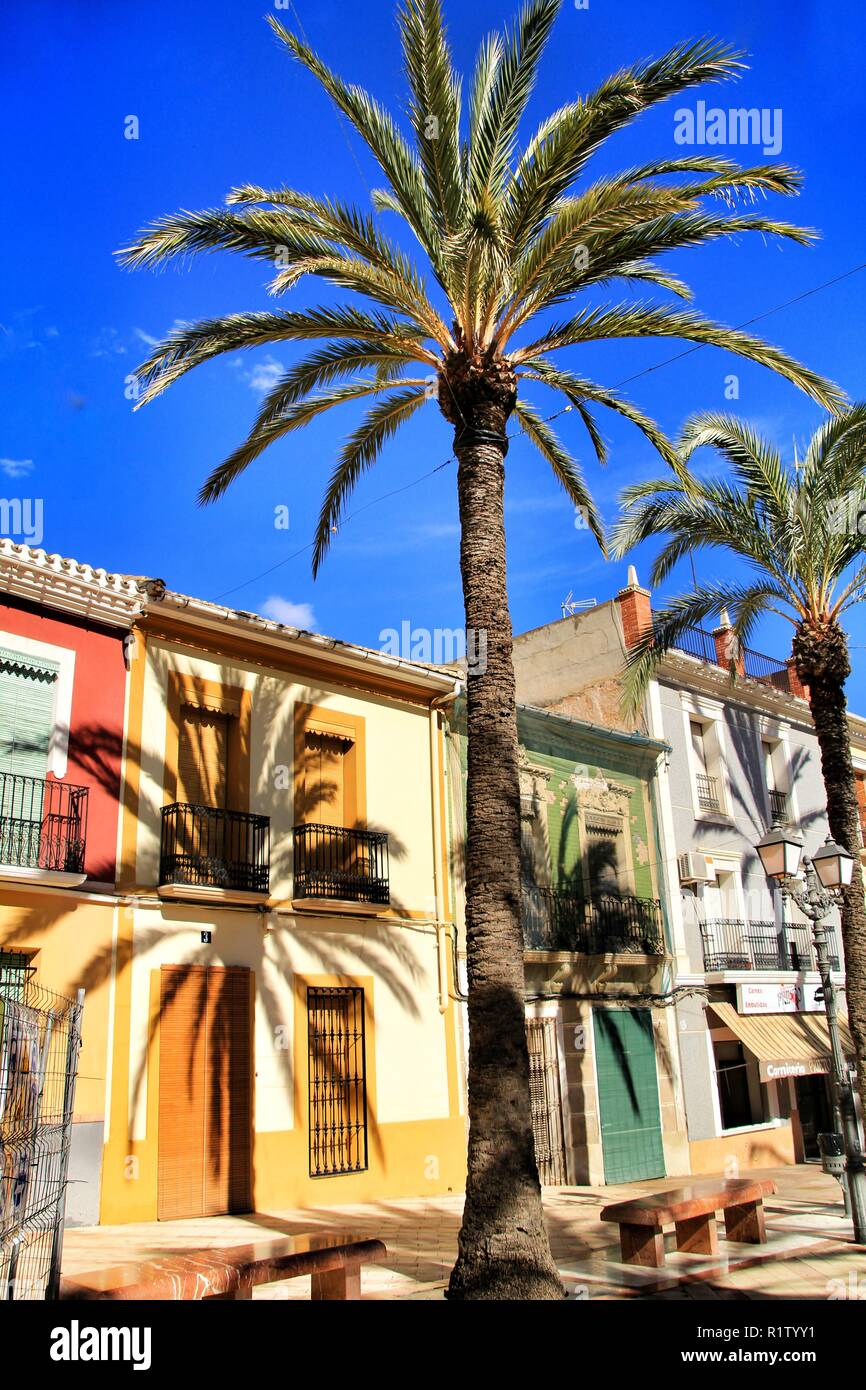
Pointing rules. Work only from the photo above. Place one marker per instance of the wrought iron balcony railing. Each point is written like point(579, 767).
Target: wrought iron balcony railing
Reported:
point(708, 792)
point(730, 944)
point(560, 921)
point(697, 642)
point(779, 807)
point(43, 824)
point(347, 865)
point(208, 847)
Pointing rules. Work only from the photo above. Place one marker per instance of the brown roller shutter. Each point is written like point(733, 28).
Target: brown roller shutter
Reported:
point(205, 1091)
point(202, 757)
point(324, 778)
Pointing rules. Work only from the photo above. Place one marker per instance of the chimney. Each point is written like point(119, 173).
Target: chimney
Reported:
point(727, 647)
point(635, 608)
point(795, 685)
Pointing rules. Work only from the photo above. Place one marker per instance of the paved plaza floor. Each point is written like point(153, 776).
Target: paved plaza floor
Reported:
point(809, 1252)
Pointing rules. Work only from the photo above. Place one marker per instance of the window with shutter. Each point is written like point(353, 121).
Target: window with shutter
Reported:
point(28, 688)
point(202, 758)
point(325, 778)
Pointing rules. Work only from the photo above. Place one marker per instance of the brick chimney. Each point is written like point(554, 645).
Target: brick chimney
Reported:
point(635, 607)
point(727, 648)
point(795, 685)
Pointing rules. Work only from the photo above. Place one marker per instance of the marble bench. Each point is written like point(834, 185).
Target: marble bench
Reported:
point(333, 1262)
point(692, 1211)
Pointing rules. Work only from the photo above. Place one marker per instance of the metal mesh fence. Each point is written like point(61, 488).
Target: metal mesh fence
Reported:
point(40, 1038)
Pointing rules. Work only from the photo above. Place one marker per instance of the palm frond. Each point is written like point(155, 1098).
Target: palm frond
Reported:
point(564, 467)
point(360, 452)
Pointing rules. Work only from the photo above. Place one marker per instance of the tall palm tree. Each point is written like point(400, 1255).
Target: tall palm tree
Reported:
point(798, 527)
point(505, 237)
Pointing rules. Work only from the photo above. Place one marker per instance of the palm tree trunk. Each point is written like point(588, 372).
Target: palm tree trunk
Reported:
point(826, 681)
point(504, 1251)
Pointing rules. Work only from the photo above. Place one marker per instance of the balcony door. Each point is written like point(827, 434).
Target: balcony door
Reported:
point(205, 1091)
point(202, 758)
point(325, 779)
point(27, 698)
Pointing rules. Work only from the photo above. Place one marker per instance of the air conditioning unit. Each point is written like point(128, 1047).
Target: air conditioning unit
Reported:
point(695, 868)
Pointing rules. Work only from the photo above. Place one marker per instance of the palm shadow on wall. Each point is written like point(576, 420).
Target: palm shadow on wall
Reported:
point(378, 947)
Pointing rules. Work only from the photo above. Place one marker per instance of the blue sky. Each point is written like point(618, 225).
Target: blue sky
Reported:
point(218, 103)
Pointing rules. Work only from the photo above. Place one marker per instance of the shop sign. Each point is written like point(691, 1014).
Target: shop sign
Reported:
point(778, 999)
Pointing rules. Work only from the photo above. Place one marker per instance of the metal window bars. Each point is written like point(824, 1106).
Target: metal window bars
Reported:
point(40, 1038)
point(337, 1081)
point(43, 823)
point(708, 792)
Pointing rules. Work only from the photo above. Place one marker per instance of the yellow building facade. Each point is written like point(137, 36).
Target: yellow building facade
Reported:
point(282, 1027)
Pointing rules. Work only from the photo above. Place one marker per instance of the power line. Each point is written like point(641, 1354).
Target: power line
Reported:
point(645, 371)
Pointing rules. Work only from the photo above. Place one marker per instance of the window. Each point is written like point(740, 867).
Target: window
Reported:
point(202, 758)
point(775, 779)
point(604, 854)
point(707, 785)
point(325, 778)
point(27, 696)
point(337, 1081)
point(15, 970)
point(742, 1098)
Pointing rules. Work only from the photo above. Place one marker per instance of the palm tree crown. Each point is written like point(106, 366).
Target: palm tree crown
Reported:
point(796, 525)
point(506, 237)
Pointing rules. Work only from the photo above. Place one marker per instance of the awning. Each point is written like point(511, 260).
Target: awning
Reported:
point(785, 1044)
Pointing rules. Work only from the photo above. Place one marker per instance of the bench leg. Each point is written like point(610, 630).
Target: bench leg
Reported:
point(698, 1235)
point(746, 1223)
point(641, 1245)
point(342, 1284)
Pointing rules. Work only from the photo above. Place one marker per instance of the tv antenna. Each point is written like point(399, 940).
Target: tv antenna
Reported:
point(571, 605)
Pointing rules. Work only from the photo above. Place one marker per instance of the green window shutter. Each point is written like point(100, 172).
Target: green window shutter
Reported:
point(27, 693)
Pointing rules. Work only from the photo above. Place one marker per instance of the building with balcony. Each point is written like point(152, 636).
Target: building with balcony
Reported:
point(607, 1104)
point(739, 755)
point(64, 630)
point(285, 1030)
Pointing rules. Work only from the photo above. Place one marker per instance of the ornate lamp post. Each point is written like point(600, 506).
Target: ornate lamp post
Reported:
point(824, 876)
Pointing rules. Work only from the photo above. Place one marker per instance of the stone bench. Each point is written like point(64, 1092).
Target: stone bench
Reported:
point(333, 1262)
point(692, 1211)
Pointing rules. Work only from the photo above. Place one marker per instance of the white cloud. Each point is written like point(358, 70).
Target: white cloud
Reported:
point(282, 610)
point(264, 375)
point(176, 326)
point(16, 468)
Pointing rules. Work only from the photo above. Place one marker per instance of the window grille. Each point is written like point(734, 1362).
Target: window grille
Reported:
point(337, 1081)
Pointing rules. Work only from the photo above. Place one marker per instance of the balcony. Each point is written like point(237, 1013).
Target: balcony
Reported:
point(779, 808)
point(339, 865)
point(208, 852)
point(560, 921)
point(43, 830)
point(730, 944)
point(697, 642)
point(708, 792)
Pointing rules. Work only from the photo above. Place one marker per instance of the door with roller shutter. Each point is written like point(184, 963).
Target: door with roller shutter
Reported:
point(205, 1091)
point(27, 697)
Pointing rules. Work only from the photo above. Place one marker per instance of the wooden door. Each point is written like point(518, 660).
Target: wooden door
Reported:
point(205, 1091)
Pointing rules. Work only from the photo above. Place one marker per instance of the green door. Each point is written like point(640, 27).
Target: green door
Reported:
point(628, 1097)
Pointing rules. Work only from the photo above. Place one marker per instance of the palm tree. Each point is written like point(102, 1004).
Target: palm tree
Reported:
point(798, 527)
point(505, 238)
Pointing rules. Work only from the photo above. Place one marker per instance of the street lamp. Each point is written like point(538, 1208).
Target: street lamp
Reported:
point(825, 876)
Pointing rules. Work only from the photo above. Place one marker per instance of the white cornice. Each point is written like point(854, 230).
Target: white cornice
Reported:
point(694, 675)
point(69, 586)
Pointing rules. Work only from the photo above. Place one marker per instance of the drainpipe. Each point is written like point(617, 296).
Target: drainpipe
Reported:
point(437, 703)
